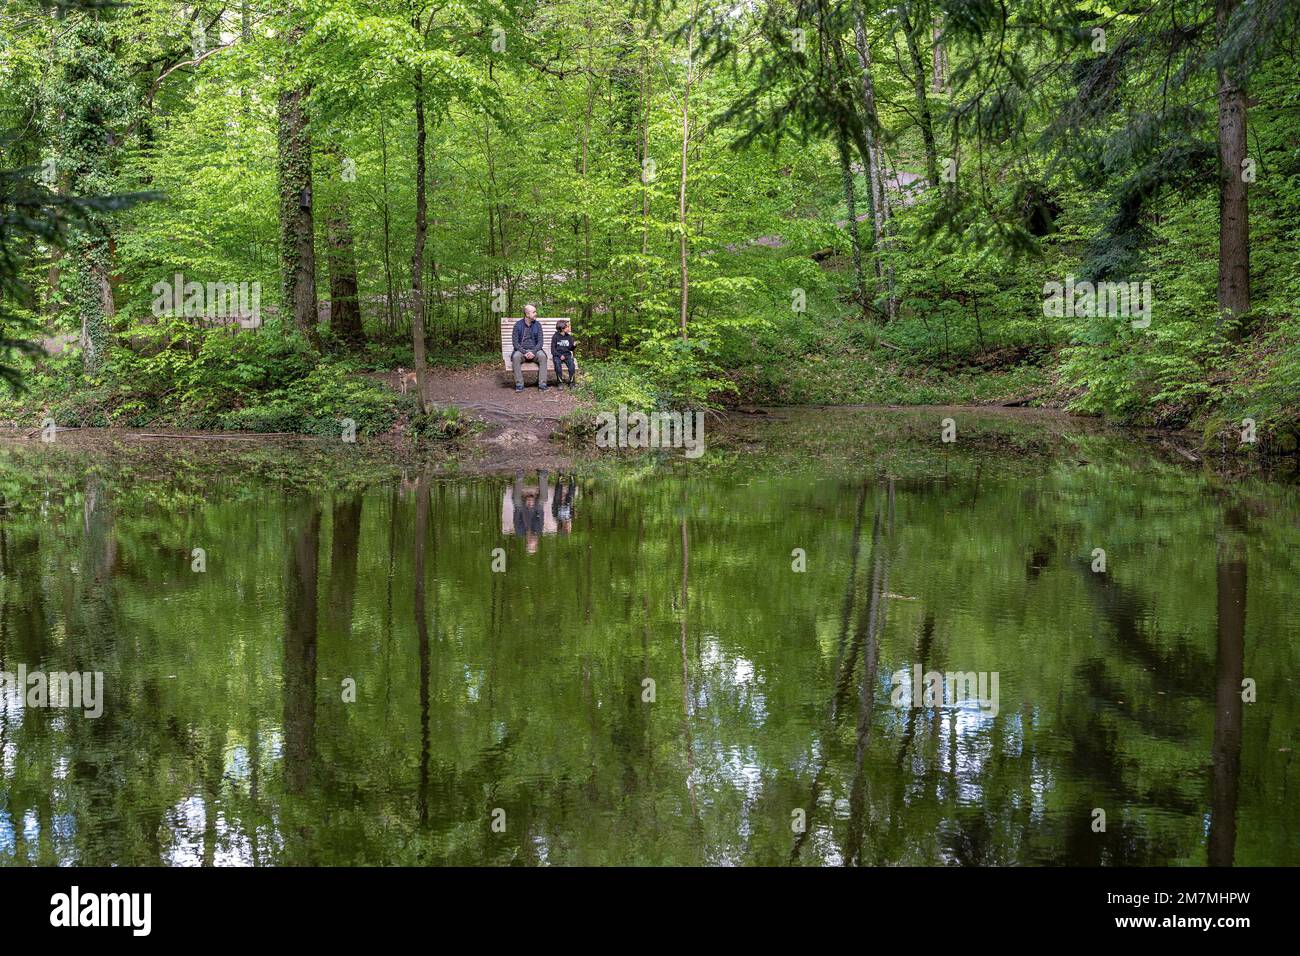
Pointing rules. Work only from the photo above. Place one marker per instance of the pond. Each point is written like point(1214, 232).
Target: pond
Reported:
point(644, 660)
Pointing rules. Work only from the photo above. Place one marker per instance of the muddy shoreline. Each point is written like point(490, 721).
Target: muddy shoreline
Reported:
point(503, 443)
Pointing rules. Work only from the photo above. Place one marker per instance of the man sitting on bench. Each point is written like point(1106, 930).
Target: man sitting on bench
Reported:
point(528, 348)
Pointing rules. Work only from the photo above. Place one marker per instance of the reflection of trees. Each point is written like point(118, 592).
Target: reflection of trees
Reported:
point(1116, 728)
point(91, 640)
point(1228, 670)
point(684, 611)
point(1181, 672)
point(865, 644)
point(24, 636)
point(302, 541)
point(1113, 712)
point(870, 626)
point(775, 690)
point(422, 641)
point(345, 532)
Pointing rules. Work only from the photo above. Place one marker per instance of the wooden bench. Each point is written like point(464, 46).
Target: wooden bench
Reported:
point(508, 346)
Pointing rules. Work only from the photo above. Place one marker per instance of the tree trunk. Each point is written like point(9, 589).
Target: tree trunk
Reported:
point(880, 206)
point(681, 190)
point(389, 290)
point(645, 183)
point(417, 257)
point(97, 321)
point(50, 306)
point(345, 308)
point(492, 214)
point(246, 35)
point(870, 123)
point(90, 84)
point(874, 161)
point(297, 229)
point(850, 201)
point(922, 105)
point(1234, 219)
point(586, 218)
point(939, 81)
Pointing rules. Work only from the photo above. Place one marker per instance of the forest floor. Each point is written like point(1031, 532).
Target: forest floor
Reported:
point(488, 391)
point(517, 425)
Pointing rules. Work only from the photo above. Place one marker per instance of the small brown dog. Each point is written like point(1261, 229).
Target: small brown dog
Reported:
point(405, 379)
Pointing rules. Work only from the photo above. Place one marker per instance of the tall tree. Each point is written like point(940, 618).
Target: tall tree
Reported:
point(851, 205)
point(939, 82)
point(341, 260)
point(421, 231)
point(874, 164)
point(89, 98)
point(297, 227)
point(913, 24)
point(1234, 210)
point(683, 236)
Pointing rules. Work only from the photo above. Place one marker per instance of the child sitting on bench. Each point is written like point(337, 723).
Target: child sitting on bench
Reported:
point(562, 344)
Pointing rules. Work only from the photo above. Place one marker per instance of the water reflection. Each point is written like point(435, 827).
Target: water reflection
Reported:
point(1229, 706)
point(663, 687)
point(532, 509)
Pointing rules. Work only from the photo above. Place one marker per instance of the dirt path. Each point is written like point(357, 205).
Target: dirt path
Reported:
point(519, 424)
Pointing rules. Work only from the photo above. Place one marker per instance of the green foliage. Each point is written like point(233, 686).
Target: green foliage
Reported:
point(555, 176)
point(440, 424)
point(611, 384)
point(176, 374)
point(317, 404)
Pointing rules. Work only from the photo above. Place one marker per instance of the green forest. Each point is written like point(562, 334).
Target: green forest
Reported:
point(246, 215)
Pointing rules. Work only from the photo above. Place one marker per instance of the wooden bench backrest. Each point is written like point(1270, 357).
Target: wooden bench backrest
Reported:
point(508, 343)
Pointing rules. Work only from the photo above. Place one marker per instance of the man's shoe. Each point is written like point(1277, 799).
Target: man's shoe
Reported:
point(519, 388)
point(542, 386)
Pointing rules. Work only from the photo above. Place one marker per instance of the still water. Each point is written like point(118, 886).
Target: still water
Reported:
point(665, 662)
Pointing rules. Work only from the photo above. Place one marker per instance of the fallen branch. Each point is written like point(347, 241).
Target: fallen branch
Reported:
point(57, 428)
point(1183, 451)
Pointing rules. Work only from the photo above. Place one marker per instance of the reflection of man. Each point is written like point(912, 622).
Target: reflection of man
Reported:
point(527, 340)
point(562, 506)
point(530, 511)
